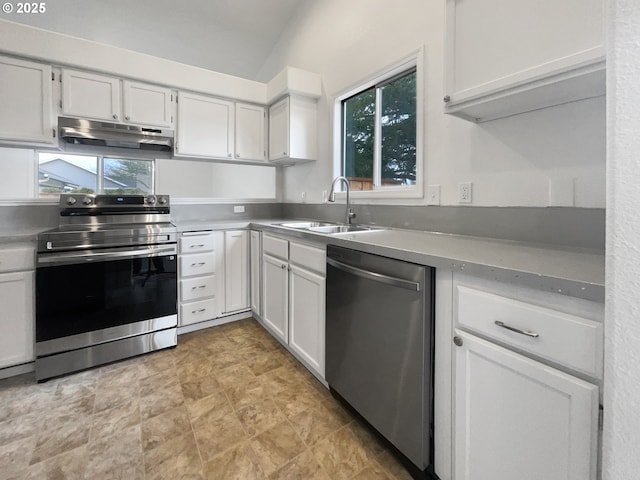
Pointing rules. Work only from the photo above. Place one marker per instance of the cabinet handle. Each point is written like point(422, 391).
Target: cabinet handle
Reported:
point(283, 267)
point(115, 117)
point(199, 311)
point(127, 118)
point(237, 155)
point(446, 99)
point(517, 330)
point(200, 245)
point(458, 341)
point(284, 153)
point(199, 264)
point(228, 154)
point(199, 286)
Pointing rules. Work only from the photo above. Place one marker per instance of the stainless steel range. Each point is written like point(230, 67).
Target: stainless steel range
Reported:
point(106, 282)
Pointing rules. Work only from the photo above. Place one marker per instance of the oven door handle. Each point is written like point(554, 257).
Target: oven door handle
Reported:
point(105, 255)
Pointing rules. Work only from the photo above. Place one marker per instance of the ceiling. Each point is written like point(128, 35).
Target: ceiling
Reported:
point(228, 36)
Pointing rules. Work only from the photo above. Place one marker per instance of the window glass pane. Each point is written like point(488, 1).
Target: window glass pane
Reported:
point(398, 129)
point(60, 173)
point(358, 139)
point(122, 176)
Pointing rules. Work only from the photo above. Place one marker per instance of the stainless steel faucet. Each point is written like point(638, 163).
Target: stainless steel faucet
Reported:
point(332, 196)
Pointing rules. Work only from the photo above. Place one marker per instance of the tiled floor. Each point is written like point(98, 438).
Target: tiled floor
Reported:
point(228, 403)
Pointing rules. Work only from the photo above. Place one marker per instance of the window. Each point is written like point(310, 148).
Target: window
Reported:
point(63, 173)
point(379, 134)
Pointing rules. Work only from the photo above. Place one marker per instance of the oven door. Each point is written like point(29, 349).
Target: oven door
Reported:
point(87, 298)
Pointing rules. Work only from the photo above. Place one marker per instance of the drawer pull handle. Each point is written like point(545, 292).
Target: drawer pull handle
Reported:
point(199, 286)
point(197, 246)
point(199, 311)
point(198, 264)
point(517, 330)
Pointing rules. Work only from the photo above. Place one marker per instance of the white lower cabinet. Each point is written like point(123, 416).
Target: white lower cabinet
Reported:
point(518, 418)
point(201, 276)
point(526, 376)
point(214, 274)
point(307, 315)
point(255, 265)
point(294, 281)
point(236, 268)
point(17, 319)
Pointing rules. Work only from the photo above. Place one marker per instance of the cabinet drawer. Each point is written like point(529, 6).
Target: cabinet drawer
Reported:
point(197, 243)
point(194, 312)
point(566, 339)
point(15, 259)
point(201, 264)
point(197, 287)
point(310, 258)
point(275, 247)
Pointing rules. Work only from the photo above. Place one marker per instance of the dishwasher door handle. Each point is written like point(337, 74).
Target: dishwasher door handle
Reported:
point(376, 277)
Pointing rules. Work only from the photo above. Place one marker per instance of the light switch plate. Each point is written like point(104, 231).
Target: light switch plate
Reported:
point(433, 194)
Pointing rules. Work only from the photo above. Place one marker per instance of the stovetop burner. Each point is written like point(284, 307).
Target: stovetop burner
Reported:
point(105, 221)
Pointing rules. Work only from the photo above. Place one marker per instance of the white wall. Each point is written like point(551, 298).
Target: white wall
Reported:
point(509, 161)
point(622, 325)
point(203, 179)
point(17, 173)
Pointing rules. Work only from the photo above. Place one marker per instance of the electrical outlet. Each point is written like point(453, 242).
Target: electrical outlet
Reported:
point(238, 209)
point(324, 196)
point(465, 192)
point(303, 197)
point(433, 195)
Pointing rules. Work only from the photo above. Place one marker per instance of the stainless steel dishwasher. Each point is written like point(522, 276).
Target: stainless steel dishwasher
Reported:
point(379, 348)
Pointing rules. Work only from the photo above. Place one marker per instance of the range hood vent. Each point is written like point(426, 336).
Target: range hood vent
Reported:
point(92, 133)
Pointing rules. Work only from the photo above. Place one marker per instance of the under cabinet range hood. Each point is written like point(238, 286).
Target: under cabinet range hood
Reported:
point(89, 134)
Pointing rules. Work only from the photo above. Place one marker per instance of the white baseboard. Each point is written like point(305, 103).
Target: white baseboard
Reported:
point(213, 323)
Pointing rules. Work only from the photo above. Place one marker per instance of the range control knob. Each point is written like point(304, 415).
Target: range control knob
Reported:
point(71, 201)
point(162, 200)
point(151, 199)
point(87, 200)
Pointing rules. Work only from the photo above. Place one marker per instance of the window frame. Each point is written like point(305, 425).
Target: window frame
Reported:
point(100, 161)
point(414, 61)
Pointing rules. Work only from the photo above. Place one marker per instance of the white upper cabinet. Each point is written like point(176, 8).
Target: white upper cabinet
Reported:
point(146, 104)
point(25, 96)
point(292, 130)
point(205, 126)
point(505, 57)
point(88, 95)
point(100, 97)
point(250, 132)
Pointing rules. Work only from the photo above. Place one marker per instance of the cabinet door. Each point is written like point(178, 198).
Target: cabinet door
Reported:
point(498, 64)
point(236, 270)
point(256, 261)
point(250, 132)
point(307, 316)
point(517, 418)
point(25, 96)
point(279, 130)
point(17, 319)
point(88, 95)
point(275, 296)
point(205, 126)
point(147, 104)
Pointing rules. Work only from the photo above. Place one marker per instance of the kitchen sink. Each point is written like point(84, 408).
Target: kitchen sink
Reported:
point(308, 225)
point(331, 229)
point(328, 228)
